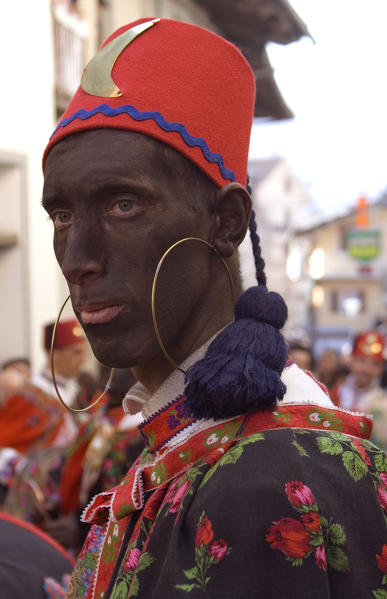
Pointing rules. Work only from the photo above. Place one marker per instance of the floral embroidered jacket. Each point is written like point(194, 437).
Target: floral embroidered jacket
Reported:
point(287, 503)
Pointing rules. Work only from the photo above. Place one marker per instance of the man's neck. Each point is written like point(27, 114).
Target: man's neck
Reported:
point(154, 373)
point(210, 315)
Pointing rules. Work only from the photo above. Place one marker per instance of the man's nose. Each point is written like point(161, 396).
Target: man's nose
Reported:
point(83, 258)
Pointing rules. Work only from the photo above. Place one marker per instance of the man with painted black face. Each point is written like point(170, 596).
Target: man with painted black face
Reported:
point(249, 469)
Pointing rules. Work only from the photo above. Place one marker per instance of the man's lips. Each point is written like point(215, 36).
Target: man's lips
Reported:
point(97, 314)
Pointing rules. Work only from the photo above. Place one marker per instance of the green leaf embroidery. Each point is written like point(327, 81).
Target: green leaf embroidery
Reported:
point(252, 439)
point(186, 587)
point(284, 417)
point(300, 449)
point(192, 473)
point(159, 474)
point(384, 579)
point(354, 465)
point(135, 587)
point(80, 586)
point(186, 456)
point(191, 574)
point(145, 560)
point(89, 561)
point(337, 559)
point(368, 445)
point(124, 510)
point(304, 509)
point(338, 436)
point(327, 418)
point(231, 456)
point(110, 549)
point(336, 534)
point(151, 438)
point(380, 461)
point(120, 591)
point(324, 522)
point(297, 561)
point(329, 446)
point(380, 594)
point(316, 540)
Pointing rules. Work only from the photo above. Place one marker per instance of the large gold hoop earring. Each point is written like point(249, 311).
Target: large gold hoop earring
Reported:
point(53, 373)
point(154, 319)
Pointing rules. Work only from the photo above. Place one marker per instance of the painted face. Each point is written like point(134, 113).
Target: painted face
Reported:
point(118, 200)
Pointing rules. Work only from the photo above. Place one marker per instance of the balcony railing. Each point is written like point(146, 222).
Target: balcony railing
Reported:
point(69, 43)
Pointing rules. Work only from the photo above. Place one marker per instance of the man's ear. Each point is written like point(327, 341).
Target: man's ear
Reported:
point(232, 208)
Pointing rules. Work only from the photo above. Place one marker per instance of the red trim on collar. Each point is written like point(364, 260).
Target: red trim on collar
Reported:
point(209, 443)
point(166, 423)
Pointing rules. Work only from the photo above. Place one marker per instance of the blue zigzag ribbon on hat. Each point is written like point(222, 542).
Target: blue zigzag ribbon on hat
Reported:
point(160, 120)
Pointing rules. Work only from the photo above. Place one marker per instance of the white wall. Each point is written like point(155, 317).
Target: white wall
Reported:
point(26, 121)
point(14, 302)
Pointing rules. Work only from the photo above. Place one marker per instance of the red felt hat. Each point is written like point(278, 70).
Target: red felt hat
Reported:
point(176, 82)
point(369, 344)
point(67, 333)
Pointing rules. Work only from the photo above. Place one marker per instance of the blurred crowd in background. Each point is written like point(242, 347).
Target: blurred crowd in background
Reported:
point(53, 461)
point(356, 381)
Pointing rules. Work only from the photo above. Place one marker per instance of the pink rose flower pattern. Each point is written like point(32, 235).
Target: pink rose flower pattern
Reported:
point(382, 496)
point(132, 559)
point(383, 476)
point(299, 494)
point(218, 549)
point(176, 493)
point(320, 556)
point(313, 534)
point(179, 496)
point(207, 554)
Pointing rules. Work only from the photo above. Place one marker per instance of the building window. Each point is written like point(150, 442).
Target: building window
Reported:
point(348, 301)
point(69, 42)
point(342, 233)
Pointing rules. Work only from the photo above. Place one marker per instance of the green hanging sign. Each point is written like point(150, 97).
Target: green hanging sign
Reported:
point(363, 244)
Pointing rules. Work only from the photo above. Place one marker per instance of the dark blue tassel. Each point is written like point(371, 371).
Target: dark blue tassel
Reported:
point(241, 370)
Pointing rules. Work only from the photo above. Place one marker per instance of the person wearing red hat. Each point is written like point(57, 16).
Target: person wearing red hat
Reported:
point(366, 367)
point(244, 486)
point(33, 418)
point(69, 355)
point(361, 390)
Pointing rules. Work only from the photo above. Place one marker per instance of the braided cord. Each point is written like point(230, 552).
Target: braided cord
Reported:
point(255, 242)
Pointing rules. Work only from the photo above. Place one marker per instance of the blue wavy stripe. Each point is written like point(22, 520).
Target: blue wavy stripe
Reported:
point(160, 120)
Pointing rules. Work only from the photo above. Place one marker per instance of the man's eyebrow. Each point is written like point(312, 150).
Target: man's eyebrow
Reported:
point(121, 183)
point(50, 201)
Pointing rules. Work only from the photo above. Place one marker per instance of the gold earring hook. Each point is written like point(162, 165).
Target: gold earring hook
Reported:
point(153, 296)
point(53, 373)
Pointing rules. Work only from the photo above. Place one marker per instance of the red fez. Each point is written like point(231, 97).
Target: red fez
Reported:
point(173, 81)
point(67, 333)
point(369, 344)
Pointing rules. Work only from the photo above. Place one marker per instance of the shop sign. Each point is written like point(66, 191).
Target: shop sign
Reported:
point(363, 244)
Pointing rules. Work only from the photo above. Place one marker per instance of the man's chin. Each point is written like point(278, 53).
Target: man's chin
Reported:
point(112, 358)
point(119, 353)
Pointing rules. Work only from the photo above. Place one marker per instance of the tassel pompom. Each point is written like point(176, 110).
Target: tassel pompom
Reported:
point(241, 370)
point(260, 304)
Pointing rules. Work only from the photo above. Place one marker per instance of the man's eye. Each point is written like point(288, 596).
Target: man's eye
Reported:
point(125, 205)
point(61, 219)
